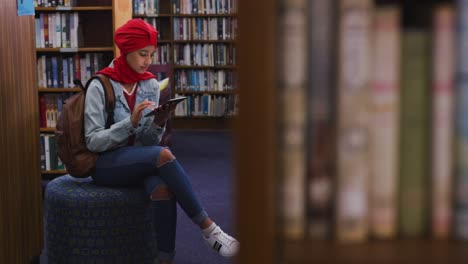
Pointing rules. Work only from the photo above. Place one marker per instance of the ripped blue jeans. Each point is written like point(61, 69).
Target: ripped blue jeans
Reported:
point(137, 167)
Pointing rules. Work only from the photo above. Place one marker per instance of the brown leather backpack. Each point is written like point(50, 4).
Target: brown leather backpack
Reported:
point(69, 133)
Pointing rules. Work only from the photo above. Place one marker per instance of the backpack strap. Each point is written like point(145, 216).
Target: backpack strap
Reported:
point(110, 98)
point(108, 94)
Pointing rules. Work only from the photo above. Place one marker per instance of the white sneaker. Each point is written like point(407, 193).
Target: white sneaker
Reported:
point(226, 245)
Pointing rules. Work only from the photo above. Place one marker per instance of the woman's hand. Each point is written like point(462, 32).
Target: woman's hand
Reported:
point(163, 113)
point(138, 111)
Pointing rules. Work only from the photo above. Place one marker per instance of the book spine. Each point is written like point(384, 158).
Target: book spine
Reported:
point(442, 115)
point(415, 127)
point(37, 24)
point(46, 30)
point(60, 71)
point(53, 153)
point(353, 120)
point(42, 18)
point(42, 111)
point(64, 30)
point(47, 151)
point(461, 125)
point(292, 121)
point(320, 153)
point(66, 78)
point(58, 30)
point(54, 71)
point(43, 154)
point(384, 129)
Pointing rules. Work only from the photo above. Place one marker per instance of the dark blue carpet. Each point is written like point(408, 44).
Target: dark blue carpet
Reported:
point(206, 157)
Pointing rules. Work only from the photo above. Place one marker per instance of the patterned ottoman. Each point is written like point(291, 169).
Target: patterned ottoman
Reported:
point(85, 223)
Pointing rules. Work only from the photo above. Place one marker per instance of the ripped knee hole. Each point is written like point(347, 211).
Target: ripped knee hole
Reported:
point(164, 157)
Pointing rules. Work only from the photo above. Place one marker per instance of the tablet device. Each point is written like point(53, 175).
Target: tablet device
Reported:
point(172, 101)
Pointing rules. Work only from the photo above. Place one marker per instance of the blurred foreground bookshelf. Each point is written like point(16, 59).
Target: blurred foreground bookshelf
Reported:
point(350, 140)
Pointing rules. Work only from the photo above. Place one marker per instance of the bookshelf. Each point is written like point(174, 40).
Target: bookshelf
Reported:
point(258, 154)
point(74, 39)
point(197, 40)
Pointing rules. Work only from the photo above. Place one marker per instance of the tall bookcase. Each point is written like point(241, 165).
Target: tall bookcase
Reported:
point(258, 155)
point(74, 39)
point(197, 41)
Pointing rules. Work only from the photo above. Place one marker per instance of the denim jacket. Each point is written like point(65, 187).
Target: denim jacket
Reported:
point(99, 139)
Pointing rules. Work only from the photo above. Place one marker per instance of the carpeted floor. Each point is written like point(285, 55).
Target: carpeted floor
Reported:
point(206, 157)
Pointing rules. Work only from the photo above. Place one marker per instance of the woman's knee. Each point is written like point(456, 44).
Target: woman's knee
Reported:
point(164, 157)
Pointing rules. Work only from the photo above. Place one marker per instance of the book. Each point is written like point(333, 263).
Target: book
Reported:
point(385, 122)
point(47, 152)
point(353, 111)
point(292, 120)
point(414, 143)
point(321, 119)
point(461, 125)
point(43, 151)
point(163, 84)
point(443, 71)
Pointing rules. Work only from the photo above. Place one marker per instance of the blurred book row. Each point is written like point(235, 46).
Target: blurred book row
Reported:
point(374, 118)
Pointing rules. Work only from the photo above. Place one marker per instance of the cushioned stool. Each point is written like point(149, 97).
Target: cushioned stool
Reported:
point(86, 223)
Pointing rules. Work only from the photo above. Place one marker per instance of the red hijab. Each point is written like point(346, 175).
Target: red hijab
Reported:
point(133, 35)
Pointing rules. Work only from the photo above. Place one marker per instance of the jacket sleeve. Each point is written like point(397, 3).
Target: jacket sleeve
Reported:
point(98, 138)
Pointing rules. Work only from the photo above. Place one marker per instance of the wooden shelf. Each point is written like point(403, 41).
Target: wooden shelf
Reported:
point(204, 15)
point(47, 129)
point(59, 90)
point(54, 171)
point(74, 50)
point(204, 41)
point(154, 15)
point(204, 92)
point(203, 117)
point(73, 8)
point(204, 67)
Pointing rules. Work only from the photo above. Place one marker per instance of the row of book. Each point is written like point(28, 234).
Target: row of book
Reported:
point(50, 107)
point(54, 3)
point(204, 6)
point(61, 71)
point(374, 130)
point(49, 157)
point(162, 54)
point(153, 7)
point(203, 28)
point(146, 7)
point(204, 54)
point(57, 30)
point(208, 105)
point(205, 80)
